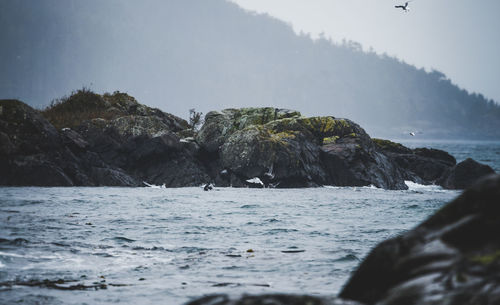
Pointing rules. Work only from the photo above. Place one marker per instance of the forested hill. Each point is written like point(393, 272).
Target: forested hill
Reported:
point(211, 54)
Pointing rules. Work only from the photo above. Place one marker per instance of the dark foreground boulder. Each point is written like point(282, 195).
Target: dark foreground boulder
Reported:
point(452, 258)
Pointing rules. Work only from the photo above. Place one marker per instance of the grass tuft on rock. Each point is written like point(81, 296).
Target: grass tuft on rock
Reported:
point(83, 105)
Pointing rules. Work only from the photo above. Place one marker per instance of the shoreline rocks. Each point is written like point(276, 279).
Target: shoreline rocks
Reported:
point(112, 140)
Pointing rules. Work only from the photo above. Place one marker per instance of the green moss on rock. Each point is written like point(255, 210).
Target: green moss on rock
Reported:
point(245, 117)
point(219, 126)
point(390, 146)
point(330, 140)
point(486, 259)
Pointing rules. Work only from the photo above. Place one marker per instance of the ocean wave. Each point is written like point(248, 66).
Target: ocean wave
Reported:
point(13, 242)
point(120, 239)
point(347, 258)
point(412, 186)
point(280, 230)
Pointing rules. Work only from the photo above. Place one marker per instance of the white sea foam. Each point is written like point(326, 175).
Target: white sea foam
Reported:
point(255, 180)
point(154, 186)
point(412, 186)
point(10, 254)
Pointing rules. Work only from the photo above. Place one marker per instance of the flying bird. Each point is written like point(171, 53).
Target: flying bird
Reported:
point(404, 7)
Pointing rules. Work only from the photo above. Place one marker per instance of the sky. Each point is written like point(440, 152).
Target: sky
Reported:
point(459, 38)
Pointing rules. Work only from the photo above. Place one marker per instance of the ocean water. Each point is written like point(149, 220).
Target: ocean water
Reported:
point(168, 246)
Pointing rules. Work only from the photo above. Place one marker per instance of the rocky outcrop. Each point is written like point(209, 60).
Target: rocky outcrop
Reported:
point(219, 125)
point(34, 153)
point(464, 174)
point(451, 258)
point(111, 139)
point(134, 143)
point(352, 159)
point(284, 149)
point(279, 153)
point(433, 166)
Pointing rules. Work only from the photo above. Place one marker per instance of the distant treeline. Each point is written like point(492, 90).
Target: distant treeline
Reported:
point(211, 54)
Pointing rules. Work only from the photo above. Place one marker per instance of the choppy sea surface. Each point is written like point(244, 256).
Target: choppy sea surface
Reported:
point(168, 246)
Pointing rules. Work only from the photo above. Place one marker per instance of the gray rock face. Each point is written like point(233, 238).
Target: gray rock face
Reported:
point(35, 153)
point(451, 258)
point(122, 151)
point(297, 151)
point(283, 159)
point(219, 125)
point(354, 161)
point(464, 174)
point(114, 140)
point(433, 166)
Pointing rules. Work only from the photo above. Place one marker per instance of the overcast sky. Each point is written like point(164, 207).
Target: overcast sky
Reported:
point(461, 38)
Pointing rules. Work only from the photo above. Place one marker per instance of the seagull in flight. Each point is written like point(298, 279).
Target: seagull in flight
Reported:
point(404, 7)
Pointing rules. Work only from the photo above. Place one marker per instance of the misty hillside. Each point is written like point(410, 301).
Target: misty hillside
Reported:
point(211, 54)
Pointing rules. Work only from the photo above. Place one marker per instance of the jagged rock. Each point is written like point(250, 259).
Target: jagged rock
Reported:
point(111, 177)
point(37, 154)
point(286, 159)
point(73, 139)
point(26, 129)
point(420, 165)
point(436, 154)
point(433, 166)
point(219, 125)
point(451, 258)
point(6, 146)
point(131, 138)
point(111, 139)
point(352, 160)
point(299, 152)
point(165, 160)
point(424, 165)
point(464, 174)
point(157, 157)
point(26, 139)
point(349, 164)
